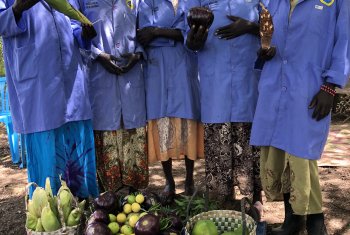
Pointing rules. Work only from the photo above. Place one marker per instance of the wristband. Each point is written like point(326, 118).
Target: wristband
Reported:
point(328, 89)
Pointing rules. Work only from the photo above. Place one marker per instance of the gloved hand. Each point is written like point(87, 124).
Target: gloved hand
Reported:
point(88, 32)
point(146, 35)
point(239, 27)
point(200, 16)
point(132, 59)
point(196, 37)
point(109, 63)
point(19, 6)
point(267, 54)
point(322, 104)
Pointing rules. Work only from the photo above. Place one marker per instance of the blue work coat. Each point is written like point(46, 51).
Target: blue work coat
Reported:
point(228, 80)
point(171, 75)
point(44, 69)
point(312, 48)
point(117, 101)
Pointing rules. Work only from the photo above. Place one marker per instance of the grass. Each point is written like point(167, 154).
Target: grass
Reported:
point(2, 67)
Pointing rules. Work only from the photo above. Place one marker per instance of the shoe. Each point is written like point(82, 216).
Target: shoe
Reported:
point(315, 225)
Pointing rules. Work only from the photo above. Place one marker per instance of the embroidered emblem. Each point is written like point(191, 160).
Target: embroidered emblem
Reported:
point(91, 4)
point(327, 2)
point(130, 4)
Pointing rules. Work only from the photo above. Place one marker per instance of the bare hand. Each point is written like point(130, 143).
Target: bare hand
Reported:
point(109, 63)
point(196, 38)
point(132, 59)
point(322, 104)
point(88, 32)
point(19, 6)
point(239, 27)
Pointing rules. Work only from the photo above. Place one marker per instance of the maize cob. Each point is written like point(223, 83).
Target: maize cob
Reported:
point(48, 219)
point(74, 217)
point(39, 200)
point(67, 9)
point(31, 221)
point(39, 226)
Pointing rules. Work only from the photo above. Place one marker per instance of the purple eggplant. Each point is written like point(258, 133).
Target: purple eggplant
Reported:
point(99, 216)
point(97, 229)
point(176, 222)
point(107, 201)
point(147, 225)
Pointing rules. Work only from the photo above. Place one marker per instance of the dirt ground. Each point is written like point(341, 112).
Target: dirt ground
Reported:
point(335, 184)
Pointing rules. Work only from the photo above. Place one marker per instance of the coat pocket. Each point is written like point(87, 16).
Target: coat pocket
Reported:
point(26, 59)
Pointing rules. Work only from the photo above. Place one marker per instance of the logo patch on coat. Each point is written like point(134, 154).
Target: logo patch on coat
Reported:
point(327, 2)
point(130, 4)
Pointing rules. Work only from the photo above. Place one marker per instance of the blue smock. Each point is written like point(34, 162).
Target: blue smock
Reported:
point(228, 80)
point(171, 75)
point(44, 69)
point(117, 101)
point(312, 48)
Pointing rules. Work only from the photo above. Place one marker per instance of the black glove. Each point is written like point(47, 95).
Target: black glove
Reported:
point(267, 54)
point(239, 27)
point(109, 62)
point(88, 32)
point(20, 6)
point(196, 37)
point(146, 35)
point(132, 59)
point(200, 16)
point(322, 104)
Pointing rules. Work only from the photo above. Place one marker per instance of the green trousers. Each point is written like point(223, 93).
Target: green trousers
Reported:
point(283, 173)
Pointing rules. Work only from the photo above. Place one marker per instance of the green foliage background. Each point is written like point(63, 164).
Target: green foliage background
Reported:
point(2, 67)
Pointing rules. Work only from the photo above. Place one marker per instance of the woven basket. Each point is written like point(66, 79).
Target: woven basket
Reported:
point(225, 221)
point(74, 230)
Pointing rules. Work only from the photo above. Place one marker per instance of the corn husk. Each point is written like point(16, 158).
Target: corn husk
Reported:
point(74, 217)
point(48, 219)
point(65, 198)
point(266, 27)
point(39, 226)
point(31, 221)
point(39, 201)
point(67, 9)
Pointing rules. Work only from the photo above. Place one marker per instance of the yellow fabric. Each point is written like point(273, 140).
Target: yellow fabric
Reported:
point(284, 173)
point(175, 138)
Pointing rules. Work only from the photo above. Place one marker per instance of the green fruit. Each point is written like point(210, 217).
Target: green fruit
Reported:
point(140, 198)
point(114, 227)
point(126, 229)
point(112, 218)
point(205, 227)
point(131, 199)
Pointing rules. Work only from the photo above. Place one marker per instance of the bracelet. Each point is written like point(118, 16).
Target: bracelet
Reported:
point(329, 90)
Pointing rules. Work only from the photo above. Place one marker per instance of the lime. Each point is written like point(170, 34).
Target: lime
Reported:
point(114, 227)
point(140, 199)
point(131, 199)
point(127, 230)
point(135, 207)
point(121, 218)
point(112, 218)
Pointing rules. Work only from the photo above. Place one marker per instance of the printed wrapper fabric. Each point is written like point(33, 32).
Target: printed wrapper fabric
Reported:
point(122, 158)
point(67, 151)
point(175, 138)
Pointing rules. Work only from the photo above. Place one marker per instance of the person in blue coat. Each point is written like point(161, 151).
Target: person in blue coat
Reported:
point(229, 89)
point(117, 94)
point(172, 91)
point(48, 95)
point(296, 92)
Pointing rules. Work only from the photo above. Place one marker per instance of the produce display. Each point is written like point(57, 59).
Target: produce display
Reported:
point(139, 214)
point(48, 213)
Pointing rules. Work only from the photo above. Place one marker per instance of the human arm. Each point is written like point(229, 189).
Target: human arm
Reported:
point(238, 27)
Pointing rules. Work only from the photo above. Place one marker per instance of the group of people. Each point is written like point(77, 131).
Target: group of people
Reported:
point(149, 87)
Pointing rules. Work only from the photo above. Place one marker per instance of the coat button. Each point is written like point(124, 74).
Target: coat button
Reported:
point(284, 88)
point(285, 62)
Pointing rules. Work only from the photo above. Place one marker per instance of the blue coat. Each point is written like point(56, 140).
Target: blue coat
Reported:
point(313, 47)
point(114, 99)
point(44, 69)
point(228, 80)
point(172, 85)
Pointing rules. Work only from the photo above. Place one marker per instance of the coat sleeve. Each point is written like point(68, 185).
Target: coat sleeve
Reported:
point(8, 26)
point(338, 72)
point(76, 25)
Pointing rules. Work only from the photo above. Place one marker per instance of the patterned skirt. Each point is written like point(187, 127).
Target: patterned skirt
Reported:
point(175, 138)
point(67, 151)
point(230, 160)
point(122, 158)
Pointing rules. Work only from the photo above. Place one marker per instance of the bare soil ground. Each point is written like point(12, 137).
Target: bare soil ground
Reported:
point(335, 183)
